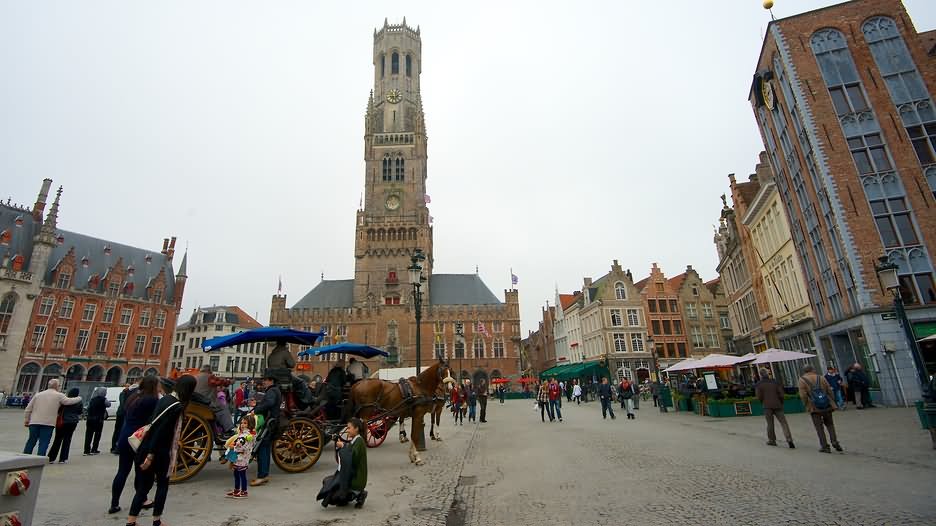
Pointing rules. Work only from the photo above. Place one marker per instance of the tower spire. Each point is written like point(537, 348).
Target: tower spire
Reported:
point(51, 222)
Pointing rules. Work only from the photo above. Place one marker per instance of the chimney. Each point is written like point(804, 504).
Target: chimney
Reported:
point(171, 251)
point(615, 267)
point(588, 282)
point(39, 207)
point(165, 245)
point(688, 268)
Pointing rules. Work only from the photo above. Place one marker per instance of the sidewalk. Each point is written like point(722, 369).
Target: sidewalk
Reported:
point(889, 434)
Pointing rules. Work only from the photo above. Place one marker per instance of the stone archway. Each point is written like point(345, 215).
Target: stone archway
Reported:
point(134, 375)
point(75, 373)
point(28, 378)
point(49, 372)
point(113, 376)
point(479, 376)
point(95, 374)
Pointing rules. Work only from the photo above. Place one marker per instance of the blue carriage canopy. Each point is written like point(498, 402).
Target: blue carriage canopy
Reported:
point(355, 349)
point(263, 334)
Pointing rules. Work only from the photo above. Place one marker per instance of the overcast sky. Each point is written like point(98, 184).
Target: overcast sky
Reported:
point(561, 135)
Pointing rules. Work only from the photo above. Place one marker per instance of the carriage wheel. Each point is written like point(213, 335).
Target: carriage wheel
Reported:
point(299, 446)
point(194, 447)
point(378, 429)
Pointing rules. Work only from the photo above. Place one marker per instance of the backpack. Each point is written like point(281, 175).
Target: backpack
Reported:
point(818, 397)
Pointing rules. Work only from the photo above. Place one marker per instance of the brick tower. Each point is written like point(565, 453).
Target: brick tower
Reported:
point(394, 219)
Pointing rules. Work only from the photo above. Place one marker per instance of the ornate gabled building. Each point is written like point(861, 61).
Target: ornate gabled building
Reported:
point(664, 317)
point(376, 307)
point(237, 362)
point(82, 307)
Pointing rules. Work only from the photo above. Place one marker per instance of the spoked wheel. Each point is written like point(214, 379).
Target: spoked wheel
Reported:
point(299, 446)
point(378, 429)
point(194, 447)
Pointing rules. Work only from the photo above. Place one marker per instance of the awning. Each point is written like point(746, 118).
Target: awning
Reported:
point(780, 355)
point(924, 329)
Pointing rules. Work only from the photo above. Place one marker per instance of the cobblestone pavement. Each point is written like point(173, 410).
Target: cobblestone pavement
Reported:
point(659, 469)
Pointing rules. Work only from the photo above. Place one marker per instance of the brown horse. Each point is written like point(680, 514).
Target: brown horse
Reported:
point(435, 417)
point(372, 397)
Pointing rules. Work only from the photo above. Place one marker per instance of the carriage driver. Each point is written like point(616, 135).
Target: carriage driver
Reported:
point(281, 358)
point(355, 370)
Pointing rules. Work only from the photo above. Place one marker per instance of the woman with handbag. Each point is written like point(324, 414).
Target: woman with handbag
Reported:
point(138, 409)
point(65, 425)
point(158, 448)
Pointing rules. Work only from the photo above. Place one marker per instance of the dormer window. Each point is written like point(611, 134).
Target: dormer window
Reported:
point(63, 280)
point(130, 271)
point(113, 289)
point(5, 237)
point(148, 259)
point(60, 239)
point(157, 296)
point(107, 250)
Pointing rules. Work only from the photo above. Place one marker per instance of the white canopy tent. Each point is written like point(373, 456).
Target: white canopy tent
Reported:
point(393, 374)
point(780, 355)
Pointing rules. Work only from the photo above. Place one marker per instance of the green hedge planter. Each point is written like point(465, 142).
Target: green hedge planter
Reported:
point(793, 405)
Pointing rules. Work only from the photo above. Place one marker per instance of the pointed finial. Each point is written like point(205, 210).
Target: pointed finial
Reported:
point(52, 219)
point(476, 269)
point(404, 21)
point(323, 276)
point(385, 23)
point(724, 201)
point(182, 273)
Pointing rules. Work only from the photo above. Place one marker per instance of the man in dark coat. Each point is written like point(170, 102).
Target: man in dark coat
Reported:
point(482, 391)
point(770, 393)
point(606, 395)
point(269, 408)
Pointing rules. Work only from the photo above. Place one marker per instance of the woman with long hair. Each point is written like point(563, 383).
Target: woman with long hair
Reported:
point(138, 409)
point(156, 457)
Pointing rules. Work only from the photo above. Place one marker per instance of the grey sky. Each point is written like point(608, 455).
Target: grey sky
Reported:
point(561, 135)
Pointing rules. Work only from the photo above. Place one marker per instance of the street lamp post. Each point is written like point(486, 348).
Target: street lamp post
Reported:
point(887, 273)
point(416, 280)
point(656, 364)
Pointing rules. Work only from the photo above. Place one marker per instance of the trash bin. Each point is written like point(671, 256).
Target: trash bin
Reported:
point(20, 475)
point(665, 397)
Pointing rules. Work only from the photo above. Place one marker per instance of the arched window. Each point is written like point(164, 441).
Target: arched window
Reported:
point(134, 375)
point(401, 234)
point(392, 300)
point(6, 315)
point(113, 376)
point(29, 373)
point(399, 168)
point(459, 348)
point(904, 84)
point(619, 291)
point(51, 371)
point(152, 372)
point(395, 63)
point(383, 65)
point(409, 65)
point(75, 373)
point(387, 164)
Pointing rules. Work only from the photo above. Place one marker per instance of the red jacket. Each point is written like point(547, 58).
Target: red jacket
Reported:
point(456, 395)
point(554, 392)
point(238, 397)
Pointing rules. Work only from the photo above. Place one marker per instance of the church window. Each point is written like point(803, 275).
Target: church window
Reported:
point(399, 167)
point(395, 63)
point(409, 65)
point(412, 234)
point(459, 349)
point(479, 348)
point(383, 65)
point(6, 314)
point(386, 168)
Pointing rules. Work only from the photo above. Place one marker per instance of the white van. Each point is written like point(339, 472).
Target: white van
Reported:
point(113, 396)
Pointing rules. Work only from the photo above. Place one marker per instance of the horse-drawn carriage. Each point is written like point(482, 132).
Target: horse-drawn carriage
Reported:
point(303, 429)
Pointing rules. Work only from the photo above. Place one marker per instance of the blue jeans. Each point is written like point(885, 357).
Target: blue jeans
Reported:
point(471, 411)
point(555, 406)
point(839, 397)
point(264, 450)
point(240, 479)
point(40, 433)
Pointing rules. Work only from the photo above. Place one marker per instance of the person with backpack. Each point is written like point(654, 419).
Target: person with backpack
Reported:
point(818, 397)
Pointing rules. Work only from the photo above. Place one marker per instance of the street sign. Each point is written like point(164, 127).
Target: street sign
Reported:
point(888, 315)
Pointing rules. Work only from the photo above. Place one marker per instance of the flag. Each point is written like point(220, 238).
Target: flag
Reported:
point(483, 330)
point(513, 279)
point(279, 287)
point(426, 198)
point(431, 219)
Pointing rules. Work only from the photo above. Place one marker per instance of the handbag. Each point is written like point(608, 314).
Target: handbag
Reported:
point(60, 418)
point(137, 437)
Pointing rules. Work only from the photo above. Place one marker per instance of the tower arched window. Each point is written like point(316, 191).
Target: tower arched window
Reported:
point(383, 65)
point(399, 167)
point(6, 315)
point(395, 63)
point(619, 291)
point(387, 166)
point(409, 65)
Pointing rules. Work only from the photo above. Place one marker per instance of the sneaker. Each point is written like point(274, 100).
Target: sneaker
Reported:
point(86, 454)
point(259, 481)
point(362, 496)
point(231, 493)
point(790, 443)
point(240, 495)
point(66, 461)
point(838, 447)
point(825, 450)
point(771, 443)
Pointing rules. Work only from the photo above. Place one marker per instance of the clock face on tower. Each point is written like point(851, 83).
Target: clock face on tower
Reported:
point(394, 96)
point(393, 202)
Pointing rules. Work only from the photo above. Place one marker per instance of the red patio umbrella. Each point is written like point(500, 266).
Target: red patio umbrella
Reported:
point(527, 380)
point(500, 381)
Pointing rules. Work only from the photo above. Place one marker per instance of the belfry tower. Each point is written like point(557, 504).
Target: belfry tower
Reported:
point(393, 220)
